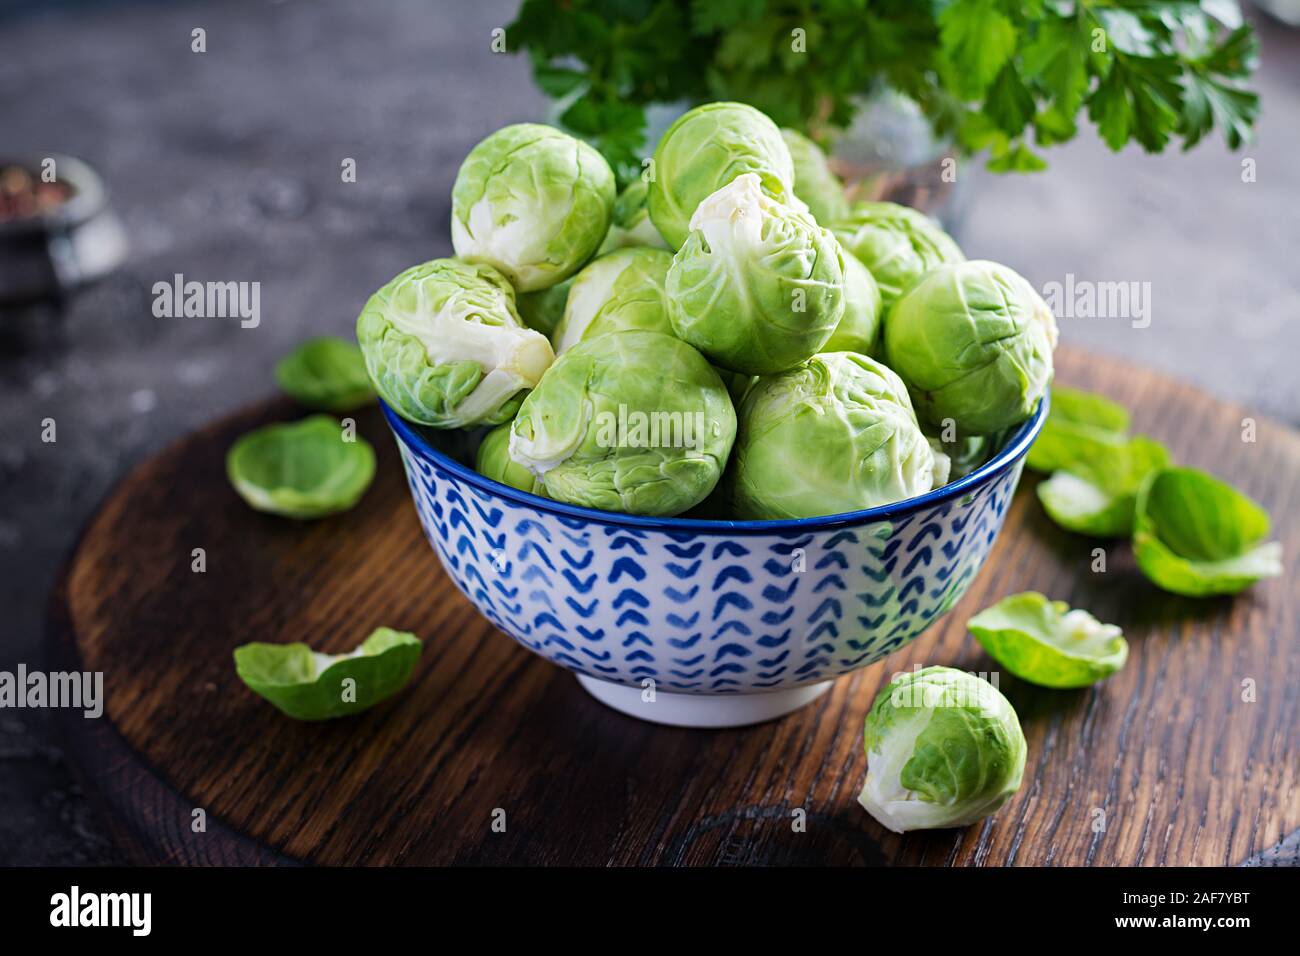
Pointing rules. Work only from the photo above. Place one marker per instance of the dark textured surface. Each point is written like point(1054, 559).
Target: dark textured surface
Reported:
point(225, 166)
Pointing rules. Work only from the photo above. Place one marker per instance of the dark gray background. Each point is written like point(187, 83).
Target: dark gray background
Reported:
point(225, 166)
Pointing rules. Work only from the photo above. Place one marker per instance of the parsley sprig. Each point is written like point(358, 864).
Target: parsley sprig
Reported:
point(1001, 77)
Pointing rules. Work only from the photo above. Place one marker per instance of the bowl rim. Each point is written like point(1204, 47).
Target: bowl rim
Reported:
point(1015, 448)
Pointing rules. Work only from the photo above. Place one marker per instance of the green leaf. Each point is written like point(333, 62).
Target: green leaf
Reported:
point(1009, 104)
point(1076, 416)
point(1125, 31)
point(309, 686)
point(1098, 496)
point(1198, 536)
point(307, 469)
point(1016, 159)
point(709, 16)
point(1046, 643)
point(326, 373)
point(979, 40)
point(558, 83)
point(1110, 109)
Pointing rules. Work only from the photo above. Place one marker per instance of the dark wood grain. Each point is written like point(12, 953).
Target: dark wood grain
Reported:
point(1184, 770)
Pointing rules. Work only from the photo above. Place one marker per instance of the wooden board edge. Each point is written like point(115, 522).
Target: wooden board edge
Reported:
point(146, 818)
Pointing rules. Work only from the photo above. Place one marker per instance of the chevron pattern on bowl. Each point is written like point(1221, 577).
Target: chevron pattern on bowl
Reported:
point(707, 607)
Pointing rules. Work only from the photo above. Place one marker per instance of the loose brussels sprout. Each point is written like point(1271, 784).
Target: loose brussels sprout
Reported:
point(617, 292)
point(833, 435)
point(632, 225)
point(1046, 643)
point(1097, 496)
point(311, 686)
point(1196, 535)
point(1079, 426)
point(706, 149)
point(494, 462)
point(758, 287)
point(326, 373)
point(973, 341)
point(541, 311)
point(630, 421)
point(445, 347)
point(533, 202)
point(814, 183)
point(306, 469)
point(897, 244)
point(944, 749)
point(858, 329)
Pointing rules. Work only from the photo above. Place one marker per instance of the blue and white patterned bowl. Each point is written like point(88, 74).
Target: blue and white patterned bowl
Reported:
point(705, 623)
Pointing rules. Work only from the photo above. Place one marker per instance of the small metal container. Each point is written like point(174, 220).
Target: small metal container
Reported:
point(50, 253)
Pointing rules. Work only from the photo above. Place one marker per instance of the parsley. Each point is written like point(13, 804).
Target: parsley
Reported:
point(1002, 77)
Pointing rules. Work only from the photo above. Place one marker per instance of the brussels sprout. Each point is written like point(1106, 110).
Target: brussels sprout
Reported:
point(858, 329)
point(833, 435)
point(326, 373)
point(973, 341)
point(541, 311)
point(307, 469)
point(965, 453)
point(630, 421)
point(1099, 500)
point(941, 472)
point(311, 686)
point(758, 287)
point(814, 183)
point(445, 347)
point(1046, 643)
point(632, 225)
point(1195, 535)
point(944, 749)
point(898, 245)
point(494, 462)
point(533, 202)
point(617, 292)
point(1079, 427)
point(706, 149)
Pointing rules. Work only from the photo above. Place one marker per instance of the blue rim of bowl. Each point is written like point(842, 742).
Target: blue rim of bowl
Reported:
point(1011, 452)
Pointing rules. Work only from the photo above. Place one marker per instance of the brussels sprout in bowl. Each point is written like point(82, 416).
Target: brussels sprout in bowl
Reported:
point(704, 623)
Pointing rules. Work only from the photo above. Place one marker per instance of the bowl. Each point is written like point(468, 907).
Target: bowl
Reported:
point(705, 623)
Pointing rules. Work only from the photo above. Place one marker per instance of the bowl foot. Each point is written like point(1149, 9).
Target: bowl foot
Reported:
point(703, 710)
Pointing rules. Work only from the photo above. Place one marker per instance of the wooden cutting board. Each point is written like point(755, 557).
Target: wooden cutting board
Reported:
point(1164, 763)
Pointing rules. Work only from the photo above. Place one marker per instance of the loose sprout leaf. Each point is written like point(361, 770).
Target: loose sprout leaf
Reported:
point(1077, 423)
point(1097, 496)
point(1197, 536)
point(1046, 643)
point(1080, 506)
point(306, 469)
point(326, 373)
point(311, 686)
